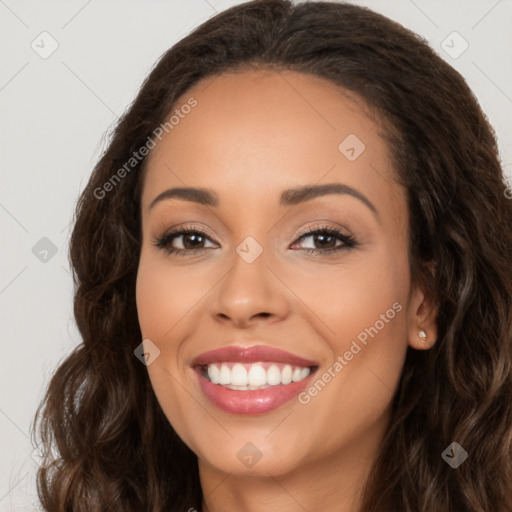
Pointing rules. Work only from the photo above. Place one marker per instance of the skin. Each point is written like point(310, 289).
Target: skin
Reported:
point(252, 135)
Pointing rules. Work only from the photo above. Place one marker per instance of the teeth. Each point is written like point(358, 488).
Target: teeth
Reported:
point(225, 375)
point(297, 375)
point(255, 376)
point(239, 375)
point(273, 375)
point(214, 374)
point(286, 375)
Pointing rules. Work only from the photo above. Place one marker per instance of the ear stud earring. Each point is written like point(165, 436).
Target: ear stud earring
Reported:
point(423, 335)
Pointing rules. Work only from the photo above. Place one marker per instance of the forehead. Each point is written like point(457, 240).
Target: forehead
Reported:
point(256, 131)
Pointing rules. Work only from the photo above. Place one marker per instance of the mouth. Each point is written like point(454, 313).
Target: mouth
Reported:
point(252, 380)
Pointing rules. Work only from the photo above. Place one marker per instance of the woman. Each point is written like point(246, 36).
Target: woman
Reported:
point(292, 282)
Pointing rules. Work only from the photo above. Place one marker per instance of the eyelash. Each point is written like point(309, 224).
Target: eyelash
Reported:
point(349, 242)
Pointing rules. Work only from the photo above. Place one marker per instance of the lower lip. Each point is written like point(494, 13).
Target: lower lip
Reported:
point(256, 401)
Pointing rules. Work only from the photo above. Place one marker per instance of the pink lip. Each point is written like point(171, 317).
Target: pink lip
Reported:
point(259, 353)
point(251, 401)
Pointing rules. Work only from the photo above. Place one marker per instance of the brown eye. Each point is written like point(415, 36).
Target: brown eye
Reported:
point(191, 240)
point(326, 237)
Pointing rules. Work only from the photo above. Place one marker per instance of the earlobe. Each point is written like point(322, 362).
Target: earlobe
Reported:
point(425, 342)
point(423, 338)
point(423, 319)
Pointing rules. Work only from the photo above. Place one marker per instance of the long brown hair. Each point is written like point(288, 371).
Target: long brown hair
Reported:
point(113, 448)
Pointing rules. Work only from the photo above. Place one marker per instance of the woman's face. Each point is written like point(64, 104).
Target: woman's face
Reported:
point(316, 283)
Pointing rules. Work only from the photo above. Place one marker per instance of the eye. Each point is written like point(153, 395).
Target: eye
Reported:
point(192, 238)
point(327, 237)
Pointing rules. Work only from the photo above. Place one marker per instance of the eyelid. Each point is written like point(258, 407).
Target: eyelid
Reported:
point(177, 230)
point(321, 227)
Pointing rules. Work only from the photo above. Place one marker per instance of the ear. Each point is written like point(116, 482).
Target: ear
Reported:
point(422, 317)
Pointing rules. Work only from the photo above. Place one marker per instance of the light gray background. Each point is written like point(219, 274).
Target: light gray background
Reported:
point(54, 115)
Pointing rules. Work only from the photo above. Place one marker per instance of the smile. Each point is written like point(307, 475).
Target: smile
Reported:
point(254, 376)
point(251, 380)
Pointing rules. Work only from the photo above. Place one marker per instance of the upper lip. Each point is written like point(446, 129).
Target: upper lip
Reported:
point(254, 354)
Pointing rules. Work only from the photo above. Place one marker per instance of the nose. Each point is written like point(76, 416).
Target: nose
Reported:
point(249, 293)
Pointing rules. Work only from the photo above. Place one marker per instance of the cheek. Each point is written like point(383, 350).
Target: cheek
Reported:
point(364, 311)
point(349, 297)
point(163, 297)
point(165, 294)
point(360, 309)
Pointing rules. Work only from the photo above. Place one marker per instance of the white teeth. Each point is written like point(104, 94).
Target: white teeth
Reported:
point(225, 375)
point(274, 375)
point(214, 373)
point(286, 376)
point(296, 375)
point(254, 376)
point(257, 375)
point(239, 375)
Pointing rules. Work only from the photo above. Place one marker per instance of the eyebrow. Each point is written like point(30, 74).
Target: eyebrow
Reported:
point(289, 197)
